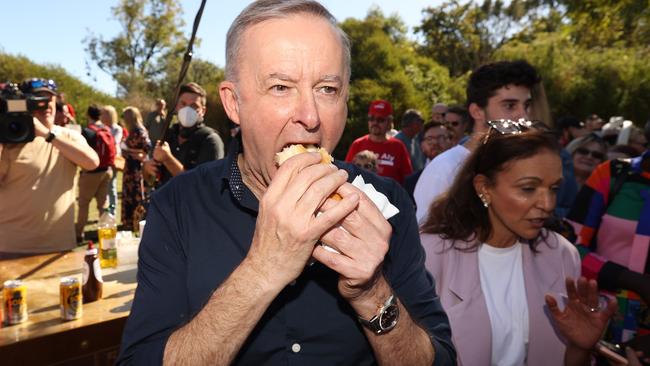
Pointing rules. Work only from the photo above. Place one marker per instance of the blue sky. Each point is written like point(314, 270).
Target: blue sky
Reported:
point(53, 31)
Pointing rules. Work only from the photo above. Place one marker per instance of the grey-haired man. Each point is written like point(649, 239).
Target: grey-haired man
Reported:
point(224, 270)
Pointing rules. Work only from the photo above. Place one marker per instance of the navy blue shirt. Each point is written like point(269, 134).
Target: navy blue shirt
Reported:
point(200, 227)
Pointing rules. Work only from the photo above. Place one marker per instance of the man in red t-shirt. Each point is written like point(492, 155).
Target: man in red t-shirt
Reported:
point(393, 159)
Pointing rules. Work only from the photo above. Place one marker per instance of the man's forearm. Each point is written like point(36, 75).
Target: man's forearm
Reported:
point(215, 335)
point(81, 154)
point(173, 166)
point(406, 344)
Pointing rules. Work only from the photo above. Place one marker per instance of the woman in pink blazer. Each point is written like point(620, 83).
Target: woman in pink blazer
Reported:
point(497, 271)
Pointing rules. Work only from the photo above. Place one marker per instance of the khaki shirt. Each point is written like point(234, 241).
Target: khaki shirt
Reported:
point(37, 197)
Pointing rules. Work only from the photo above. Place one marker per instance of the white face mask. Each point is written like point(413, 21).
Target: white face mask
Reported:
point(188, 117)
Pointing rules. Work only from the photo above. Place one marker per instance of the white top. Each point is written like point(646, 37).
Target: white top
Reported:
point(437, 177)
point(502, 283)
point(116, 131)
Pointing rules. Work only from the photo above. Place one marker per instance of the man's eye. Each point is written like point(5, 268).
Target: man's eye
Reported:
point(279, 88)
point(329, 89)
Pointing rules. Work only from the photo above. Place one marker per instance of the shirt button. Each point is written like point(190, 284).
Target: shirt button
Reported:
point(295, 348)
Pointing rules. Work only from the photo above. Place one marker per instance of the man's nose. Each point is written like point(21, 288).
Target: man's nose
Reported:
point(307, 111)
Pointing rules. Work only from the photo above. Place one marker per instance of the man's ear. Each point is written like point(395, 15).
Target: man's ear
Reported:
point(479, 116)
point(228, 95)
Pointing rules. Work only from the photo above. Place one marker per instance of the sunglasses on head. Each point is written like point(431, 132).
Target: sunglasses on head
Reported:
point(594, 154)
point(510, 127)
point(32, 84)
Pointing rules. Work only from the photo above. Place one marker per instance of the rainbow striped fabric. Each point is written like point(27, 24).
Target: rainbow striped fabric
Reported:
point(616, 230)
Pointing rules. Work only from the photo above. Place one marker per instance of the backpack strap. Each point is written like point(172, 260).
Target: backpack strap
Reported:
point(621, 170)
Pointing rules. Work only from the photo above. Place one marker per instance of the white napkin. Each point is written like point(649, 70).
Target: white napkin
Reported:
point(379, 199)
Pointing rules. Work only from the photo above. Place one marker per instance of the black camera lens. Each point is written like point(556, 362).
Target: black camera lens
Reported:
point(16, 128)
point(17, 131)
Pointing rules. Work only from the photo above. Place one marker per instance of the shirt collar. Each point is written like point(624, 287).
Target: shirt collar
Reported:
point(240, 192)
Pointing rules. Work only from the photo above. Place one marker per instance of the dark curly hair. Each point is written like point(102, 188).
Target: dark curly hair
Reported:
point(487, 79)
point(459, 214)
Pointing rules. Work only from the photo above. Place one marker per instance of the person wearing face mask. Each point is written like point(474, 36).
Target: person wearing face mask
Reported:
point(188, 143)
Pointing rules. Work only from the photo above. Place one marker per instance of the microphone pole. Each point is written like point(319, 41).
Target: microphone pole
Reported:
point(187, 58)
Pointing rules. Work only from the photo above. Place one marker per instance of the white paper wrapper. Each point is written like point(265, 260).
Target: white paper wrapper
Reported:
point(379, 199)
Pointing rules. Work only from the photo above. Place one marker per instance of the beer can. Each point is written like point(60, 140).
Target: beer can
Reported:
point(70, 291)
point(14, 302)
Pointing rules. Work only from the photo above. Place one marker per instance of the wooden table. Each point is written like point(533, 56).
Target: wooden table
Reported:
point(45, 339)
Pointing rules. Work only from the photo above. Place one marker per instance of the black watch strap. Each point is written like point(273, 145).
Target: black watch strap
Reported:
point(385, 319)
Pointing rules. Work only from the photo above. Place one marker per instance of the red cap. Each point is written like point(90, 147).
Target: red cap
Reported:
point(380, 108)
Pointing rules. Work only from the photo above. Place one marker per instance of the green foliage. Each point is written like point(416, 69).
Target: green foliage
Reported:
point(137, 58)
point(606, 23)
point(80, 95)
point(580, 81)
point(464, 36)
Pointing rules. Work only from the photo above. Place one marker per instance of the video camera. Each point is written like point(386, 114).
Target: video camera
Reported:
point(16, 121)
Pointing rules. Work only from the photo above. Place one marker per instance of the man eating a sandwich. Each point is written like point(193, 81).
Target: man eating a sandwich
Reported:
point(231, 267)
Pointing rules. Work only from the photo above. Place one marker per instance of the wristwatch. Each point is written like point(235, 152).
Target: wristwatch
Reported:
point(52, 134)
point(386, 318)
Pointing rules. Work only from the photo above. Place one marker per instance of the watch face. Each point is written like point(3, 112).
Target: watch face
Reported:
point(388, 319)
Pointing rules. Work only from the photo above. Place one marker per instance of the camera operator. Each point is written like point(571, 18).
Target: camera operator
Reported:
point(37, 182)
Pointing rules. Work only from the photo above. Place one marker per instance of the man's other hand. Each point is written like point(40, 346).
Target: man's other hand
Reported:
point(362, 239)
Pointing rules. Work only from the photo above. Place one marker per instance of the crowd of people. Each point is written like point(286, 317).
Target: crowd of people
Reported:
point(518, 240)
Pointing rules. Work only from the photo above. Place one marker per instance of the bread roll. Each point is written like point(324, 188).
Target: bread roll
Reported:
point(296, 149)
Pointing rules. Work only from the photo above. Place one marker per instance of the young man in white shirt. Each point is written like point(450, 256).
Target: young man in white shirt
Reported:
point(500, 90)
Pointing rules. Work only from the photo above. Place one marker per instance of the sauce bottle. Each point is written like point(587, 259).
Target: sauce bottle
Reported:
point(92, 276)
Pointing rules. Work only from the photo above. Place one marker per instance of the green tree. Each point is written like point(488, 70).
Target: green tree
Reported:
point(464, 36)
point(150, 38)
point(579, 81)
point(606, 23)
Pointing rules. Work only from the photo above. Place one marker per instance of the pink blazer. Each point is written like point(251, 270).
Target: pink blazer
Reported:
point(459, 287)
